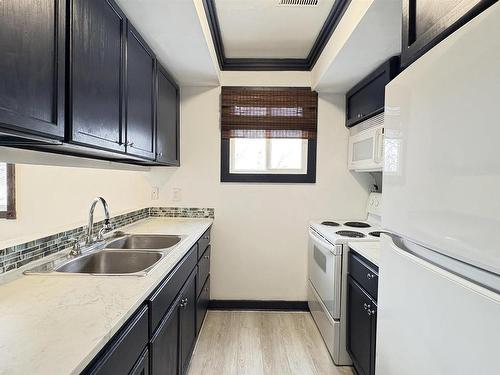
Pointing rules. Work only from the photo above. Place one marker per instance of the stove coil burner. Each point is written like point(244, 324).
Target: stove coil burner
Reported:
point(330, 223)
point(356, 224)
point(377, 233)
point(350, 233)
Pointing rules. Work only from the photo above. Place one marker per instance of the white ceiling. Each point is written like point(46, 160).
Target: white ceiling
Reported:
point(264, 29)
point(173, 30)
point(375, 38)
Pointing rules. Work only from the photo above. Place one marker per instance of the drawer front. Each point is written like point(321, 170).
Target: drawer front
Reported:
point(203, 270)
point(125, 348)
point(164, 296)
point(364, 274)
point(202, 304)
point(203, 243)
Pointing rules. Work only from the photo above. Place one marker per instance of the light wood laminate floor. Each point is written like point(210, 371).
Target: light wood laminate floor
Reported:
point(255, 342)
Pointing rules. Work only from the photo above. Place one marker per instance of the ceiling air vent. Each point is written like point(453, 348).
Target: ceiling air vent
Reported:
point(298, 3)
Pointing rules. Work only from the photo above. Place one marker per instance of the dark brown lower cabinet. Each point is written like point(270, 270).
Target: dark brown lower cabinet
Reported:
point(165, 344)
point(202, 304)
point(187, 321)
point(173, 342)
point(160, 337)
point(361, 326)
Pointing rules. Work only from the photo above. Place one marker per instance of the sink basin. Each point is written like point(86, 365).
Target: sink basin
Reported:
point(112, 262)
point(144, 241)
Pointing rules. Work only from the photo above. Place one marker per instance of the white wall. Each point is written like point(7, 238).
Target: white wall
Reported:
point(260, 231)
point(51, 199)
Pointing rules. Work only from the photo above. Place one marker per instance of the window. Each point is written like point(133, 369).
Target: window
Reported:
point(7, 191)
point(268, 155)
point(268, 134)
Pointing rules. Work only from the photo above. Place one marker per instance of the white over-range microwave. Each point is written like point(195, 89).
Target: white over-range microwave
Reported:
point(366, 147)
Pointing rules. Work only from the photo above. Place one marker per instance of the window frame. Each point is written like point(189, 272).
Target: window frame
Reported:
point(10, 214)
point(227, 176)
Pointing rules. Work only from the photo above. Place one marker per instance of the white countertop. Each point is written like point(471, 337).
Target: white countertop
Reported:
point(56, 324)
point(370, 250)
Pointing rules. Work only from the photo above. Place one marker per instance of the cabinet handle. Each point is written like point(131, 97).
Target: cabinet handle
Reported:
point(370, 276)
point(206, 238)
point(207, 257)
point(371, 312)
point(160, 154)
point(206, 289)
point(367, 306)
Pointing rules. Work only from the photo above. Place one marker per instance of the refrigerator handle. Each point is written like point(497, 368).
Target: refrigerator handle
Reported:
point(379, 145)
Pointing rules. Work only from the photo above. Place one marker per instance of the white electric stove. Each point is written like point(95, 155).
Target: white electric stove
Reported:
point(327, 266)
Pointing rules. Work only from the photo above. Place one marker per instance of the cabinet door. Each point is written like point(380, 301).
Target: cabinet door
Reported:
point(167, 127)
point(32, 66)
point(188, 321)
point(367, 98)
point(140, 96)
point(202, 305)
point(373, 337)
point(97, 74)
point(359, 327)
point(142, 365)
point(165, 344)
point(428, 22)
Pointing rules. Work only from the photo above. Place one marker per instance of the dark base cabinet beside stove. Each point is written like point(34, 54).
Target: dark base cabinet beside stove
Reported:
point(362, 287)
point(160, 337)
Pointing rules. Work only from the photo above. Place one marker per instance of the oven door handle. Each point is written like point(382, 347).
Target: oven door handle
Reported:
point(334, 249)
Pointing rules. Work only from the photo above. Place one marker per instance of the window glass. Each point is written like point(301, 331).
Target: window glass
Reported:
point(287, 153)
point(273, 155)
point(249, 154)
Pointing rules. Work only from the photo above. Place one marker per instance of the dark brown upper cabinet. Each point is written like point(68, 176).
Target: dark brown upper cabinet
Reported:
point(97, 108)
point(32, 70)
point(77, 78)
point(428, 22)
point(167, 122)
point(367, 98)
point(141, 79)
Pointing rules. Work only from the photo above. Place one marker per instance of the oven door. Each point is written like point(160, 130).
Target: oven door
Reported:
point(366, 150)
point(325, 271)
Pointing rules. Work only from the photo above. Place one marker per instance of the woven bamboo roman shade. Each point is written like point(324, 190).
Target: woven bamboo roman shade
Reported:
point(269, 112)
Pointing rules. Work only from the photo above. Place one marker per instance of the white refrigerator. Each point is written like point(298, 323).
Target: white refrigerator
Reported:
point(439, 288)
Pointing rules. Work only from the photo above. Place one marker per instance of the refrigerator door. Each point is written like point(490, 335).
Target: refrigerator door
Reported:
point(431, 321)
point(442, 146)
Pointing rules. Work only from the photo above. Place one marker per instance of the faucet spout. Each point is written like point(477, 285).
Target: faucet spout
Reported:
point(107, 224)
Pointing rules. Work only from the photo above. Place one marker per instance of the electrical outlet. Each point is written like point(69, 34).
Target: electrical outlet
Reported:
point(155, 193)
point(176, 194)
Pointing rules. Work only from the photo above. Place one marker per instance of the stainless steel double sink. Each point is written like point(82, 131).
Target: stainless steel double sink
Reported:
point(129, 254)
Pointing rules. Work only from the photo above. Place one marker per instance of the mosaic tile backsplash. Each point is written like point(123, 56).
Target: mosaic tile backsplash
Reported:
point(17, 256)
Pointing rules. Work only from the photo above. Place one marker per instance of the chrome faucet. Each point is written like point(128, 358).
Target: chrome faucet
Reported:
point(107, 225)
